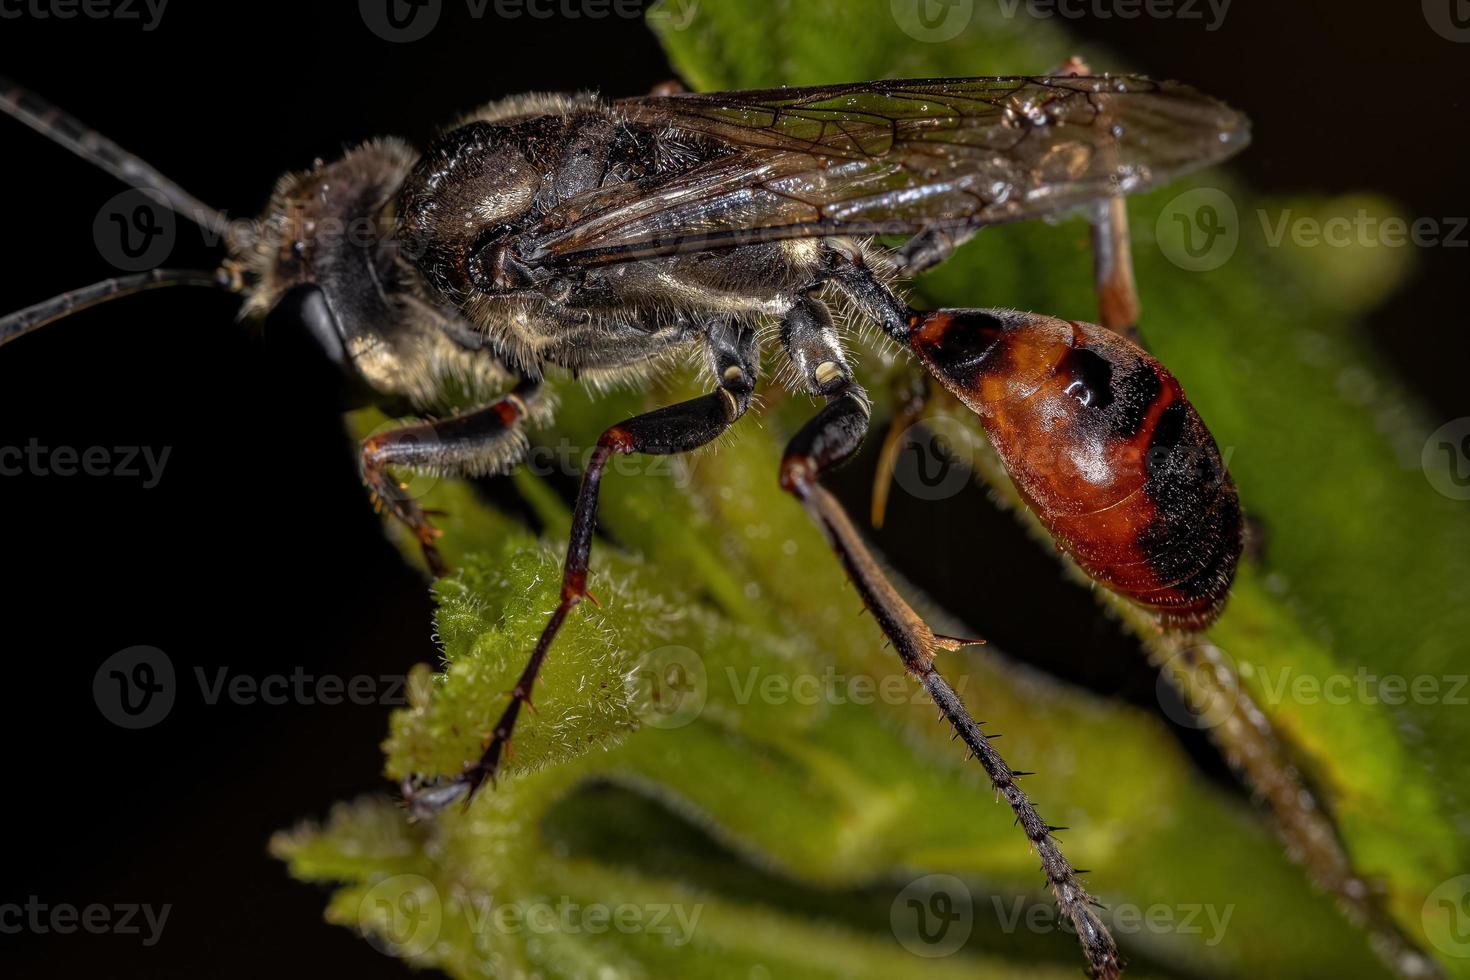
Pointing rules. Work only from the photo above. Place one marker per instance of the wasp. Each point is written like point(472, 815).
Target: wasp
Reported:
point(547, 237)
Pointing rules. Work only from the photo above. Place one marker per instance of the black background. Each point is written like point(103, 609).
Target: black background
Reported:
point(258, 551)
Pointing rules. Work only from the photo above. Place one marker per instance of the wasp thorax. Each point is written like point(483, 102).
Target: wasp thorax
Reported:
point(461, 203)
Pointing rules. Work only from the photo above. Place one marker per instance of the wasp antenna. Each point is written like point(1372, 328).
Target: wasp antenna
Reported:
point(22, 322)
point(97, 149)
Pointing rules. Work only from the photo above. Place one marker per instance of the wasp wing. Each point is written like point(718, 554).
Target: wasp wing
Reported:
point(889, 157)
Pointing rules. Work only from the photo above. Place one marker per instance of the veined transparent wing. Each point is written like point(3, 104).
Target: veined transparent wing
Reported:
point(891, 157)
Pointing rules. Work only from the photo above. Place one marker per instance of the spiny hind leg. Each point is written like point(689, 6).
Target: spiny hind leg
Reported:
point(666, 431)
point(475, 443)
point(827, 441)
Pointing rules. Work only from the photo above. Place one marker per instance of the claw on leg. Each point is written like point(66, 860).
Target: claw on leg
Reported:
point(478, 442)
point(387, 494)
point(953, 643)
point(426, 797)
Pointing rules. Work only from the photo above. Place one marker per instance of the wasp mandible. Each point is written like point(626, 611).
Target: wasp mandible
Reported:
point(554, 236)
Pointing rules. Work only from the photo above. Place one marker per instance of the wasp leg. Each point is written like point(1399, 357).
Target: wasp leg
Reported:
point(930, 247)
point(810, 341)
point(848, 271)
point(822, 443)
point(1112, 256)
point(479, 442)
point(1112, 267)
point(1112, 261)
point(911, 394)
point(666, 431)
point(1072, 66)
point(825, 442)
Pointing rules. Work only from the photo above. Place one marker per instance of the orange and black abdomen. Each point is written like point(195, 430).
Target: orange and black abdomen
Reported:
point(1104, 447)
